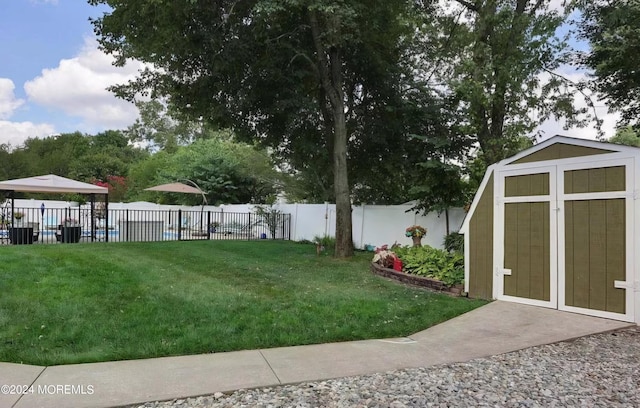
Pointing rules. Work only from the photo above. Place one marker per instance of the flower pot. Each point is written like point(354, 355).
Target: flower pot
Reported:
point(417, 241)
point(21, 236)
point(71, 235)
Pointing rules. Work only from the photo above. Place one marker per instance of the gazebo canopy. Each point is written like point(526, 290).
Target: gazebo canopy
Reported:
point(51, 184)
point(176, 188)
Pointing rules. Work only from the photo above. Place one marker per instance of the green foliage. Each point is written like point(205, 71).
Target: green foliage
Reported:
point(310, 79)
point(326, 242)
point(160, 128)
point(226, 170)
point(626, 136)
point(611, 28)
point(454, 242)
point(271, 216)
point(433, 263)
point(492, 56)
point(74, 155)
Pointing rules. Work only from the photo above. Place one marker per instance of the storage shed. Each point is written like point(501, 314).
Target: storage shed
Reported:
point(558, 226)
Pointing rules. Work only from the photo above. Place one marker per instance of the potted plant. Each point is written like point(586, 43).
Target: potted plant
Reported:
point(70, 231)
point(416, 232)
point(18, 216)
point(20, 233)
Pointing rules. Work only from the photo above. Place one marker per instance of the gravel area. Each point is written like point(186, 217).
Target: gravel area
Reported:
point(595, 371)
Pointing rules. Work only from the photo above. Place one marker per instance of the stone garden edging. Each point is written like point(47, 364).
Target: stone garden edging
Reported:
point(422, 281)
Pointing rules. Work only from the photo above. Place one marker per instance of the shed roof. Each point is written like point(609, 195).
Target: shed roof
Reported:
point(565, 140)
point(604, 147)
point(51, 184)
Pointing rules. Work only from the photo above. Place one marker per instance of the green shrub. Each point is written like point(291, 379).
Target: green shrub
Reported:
point(454, 242)
point(327, 242)
point(433, 263)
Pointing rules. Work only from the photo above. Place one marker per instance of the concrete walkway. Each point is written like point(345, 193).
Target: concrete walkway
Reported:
point(496, 328)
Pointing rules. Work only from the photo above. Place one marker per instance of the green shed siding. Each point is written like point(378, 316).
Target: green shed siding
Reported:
point(595, 254)
point(560, 151)
point(527, 185)
point(595, 180)
point(481, 246)
point(526, 250)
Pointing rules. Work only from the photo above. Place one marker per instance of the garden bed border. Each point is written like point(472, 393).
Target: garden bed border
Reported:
point(421, 281)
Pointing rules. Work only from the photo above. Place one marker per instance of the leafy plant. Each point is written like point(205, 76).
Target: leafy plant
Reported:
point(433, 263)
point(326, 243)
point(18, 215)
point(271, 216)
point(454, 242)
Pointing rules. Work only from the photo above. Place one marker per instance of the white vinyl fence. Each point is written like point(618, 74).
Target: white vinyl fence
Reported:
point(372, 224)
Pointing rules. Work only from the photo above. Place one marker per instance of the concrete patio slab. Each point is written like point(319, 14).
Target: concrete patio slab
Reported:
point(13, 379)
point(496, 328)
point(135, 381)
point(323, 361)
point(501, 327)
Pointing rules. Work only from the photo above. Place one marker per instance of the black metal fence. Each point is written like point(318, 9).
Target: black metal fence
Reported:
point(79, 224)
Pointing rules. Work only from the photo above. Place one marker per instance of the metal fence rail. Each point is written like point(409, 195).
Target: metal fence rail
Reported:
point(75, 224)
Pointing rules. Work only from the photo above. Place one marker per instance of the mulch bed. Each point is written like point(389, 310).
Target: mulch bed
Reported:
point(415, 280)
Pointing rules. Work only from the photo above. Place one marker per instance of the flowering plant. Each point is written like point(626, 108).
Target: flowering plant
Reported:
point(70, 222)
point(416, 231)
point(384, 256)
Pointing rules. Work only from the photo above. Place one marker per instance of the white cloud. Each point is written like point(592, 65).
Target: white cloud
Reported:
point(77, 86)
point(15, 133)
point(8, 101)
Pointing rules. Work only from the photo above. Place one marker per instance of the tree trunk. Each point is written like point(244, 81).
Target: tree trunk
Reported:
point(344, 239)
point(329, 64)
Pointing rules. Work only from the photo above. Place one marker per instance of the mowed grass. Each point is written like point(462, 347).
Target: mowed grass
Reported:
point(63, 304)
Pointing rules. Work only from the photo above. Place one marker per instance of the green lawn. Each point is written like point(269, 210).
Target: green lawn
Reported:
point(62, 304)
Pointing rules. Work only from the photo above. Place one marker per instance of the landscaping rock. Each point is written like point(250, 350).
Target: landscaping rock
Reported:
point(595, 371)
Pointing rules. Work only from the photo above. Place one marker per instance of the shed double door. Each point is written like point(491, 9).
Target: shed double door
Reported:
point(563, 237)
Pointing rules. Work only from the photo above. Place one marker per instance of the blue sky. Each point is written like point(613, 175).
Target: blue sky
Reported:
point(53, 77)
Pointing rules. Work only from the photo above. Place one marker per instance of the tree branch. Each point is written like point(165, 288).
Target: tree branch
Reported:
point(323, 62)
point(584, 94)
point(469, 5)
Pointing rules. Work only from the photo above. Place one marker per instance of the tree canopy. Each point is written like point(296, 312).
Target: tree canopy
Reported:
point(613, 32)
point(299, 75)
point(229, 173)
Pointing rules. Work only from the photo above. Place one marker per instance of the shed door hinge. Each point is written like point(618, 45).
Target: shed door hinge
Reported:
point(502, 271)
point(635, 286)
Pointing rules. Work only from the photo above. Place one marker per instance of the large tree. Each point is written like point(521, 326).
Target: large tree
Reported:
point(283, 72)
point(229, 172)
point(500, 59)
point(613, 31)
